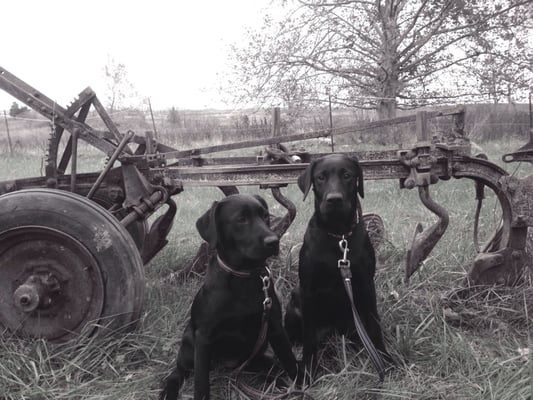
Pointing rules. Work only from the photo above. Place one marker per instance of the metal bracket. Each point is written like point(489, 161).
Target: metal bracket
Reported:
point(502, 267)
point(420, 161)
point(142, 197)
point(524, 153)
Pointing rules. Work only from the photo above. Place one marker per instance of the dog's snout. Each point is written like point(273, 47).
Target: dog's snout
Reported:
point(334, 198)
point(271, 241)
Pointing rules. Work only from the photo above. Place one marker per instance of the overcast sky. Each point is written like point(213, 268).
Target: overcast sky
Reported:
point(173, 51)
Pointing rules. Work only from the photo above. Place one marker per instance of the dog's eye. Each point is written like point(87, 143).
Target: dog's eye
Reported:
point(241, 219)
point(321, 178)
point(347, 175)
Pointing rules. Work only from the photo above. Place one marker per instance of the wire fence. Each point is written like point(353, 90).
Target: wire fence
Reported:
point(184, 128)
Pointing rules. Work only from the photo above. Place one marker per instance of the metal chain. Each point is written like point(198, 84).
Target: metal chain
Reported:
point(267, 303)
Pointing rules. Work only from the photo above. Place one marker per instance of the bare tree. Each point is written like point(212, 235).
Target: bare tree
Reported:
point(119, 88)
point(504, 69)
point(377, 54)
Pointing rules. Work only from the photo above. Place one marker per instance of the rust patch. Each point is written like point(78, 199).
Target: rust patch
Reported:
point(102, 239)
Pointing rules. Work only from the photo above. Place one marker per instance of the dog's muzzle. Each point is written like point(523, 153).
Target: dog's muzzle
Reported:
point(271, 244)
point(334, 205)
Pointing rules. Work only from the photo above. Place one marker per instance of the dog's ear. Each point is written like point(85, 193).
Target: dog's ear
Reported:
point(360, 185)
point(262, 201)
point(264, 204)
point(207, 226)
point(359, 176)
point(305, 180)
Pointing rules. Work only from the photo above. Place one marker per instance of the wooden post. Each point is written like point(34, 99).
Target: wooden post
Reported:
point(276, 122)
point(152, 115)
point(422, 134)
point(8, 136)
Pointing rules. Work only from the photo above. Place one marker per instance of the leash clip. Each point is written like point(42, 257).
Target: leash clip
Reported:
point(267, 303)
point(344, 263)
point(343, 245)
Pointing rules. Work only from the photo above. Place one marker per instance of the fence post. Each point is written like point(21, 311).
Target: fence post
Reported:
point(152, 116)
point(276, 122)
point(422, 134)
point(8, 135)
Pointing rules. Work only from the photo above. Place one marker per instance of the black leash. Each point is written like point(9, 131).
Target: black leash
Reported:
point(266, 280)
point(267, 305)
point(346, 273)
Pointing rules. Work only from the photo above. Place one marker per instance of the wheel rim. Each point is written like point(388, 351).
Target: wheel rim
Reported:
point(51, 285)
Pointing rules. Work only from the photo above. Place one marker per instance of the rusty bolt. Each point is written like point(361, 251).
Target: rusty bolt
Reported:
point(409, 183)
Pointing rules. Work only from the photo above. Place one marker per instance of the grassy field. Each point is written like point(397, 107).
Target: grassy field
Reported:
point(447, 348)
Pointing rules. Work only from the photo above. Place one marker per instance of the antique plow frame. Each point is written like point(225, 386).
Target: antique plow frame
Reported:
point(73, 245)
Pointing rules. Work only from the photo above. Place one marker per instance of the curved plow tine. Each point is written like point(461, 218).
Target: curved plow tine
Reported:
point(157, 237)
point(281, 224)
point(424, 240)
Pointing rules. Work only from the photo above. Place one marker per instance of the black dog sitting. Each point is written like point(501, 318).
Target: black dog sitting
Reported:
point(320, 305)
point(232, 310)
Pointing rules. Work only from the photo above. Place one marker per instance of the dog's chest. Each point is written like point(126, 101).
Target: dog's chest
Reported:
point(319, 262)
point(238, 319)
point(323, 255)
point(241, 301)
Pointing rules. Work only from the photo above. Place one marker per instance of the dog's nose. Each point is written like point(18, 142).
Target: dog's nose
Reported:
point(334, 198)
point(271, 241)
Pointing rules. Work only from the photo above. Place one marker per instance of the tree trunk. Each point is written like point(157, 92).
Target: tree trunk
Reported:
point(386, 105)
point(386, 108)
point(388, 75)
point(509, 94)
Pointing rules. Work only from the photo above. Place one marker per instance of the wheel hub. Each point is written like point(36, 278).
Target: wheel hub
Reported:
point(39, 291)
point(51, 284)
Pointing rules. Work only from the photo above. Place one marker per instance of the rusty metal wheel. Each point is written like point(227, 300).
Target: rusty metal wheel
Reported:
point(67, 267)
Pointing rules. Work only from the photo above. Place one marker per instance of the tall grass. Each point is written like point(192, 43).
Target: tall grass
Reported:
point(446, 346)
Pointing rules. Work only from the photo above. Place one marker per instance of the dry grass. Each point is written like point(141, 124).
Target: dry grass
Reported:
point(447, 347)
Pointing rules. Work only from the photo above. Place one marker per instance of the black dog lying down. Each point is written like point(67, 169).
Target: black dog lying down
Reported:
point(320, 305)
point(227, 312)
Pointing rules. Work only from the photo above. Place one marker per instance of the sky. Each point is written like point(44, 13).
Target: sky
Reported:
point(173, 51)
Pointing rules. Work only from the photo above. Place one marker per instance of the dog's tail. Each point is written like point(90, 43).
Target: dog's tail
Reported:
point(172, 384)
